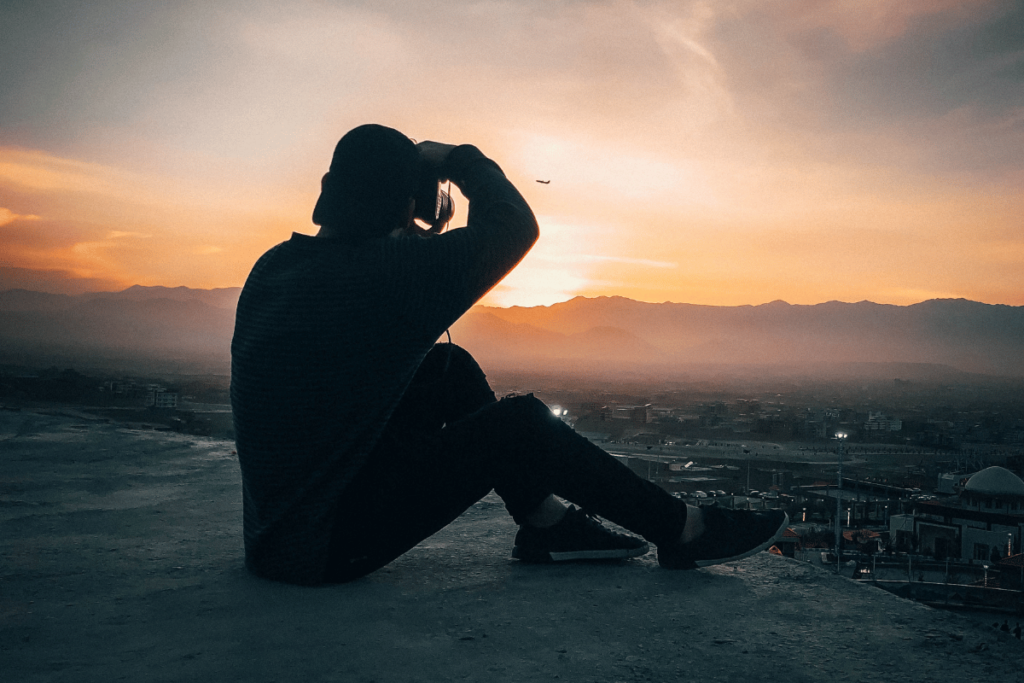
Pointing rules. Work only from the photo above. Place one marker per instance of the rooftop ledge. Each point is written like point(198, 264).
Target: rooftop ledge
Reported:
point(121, 558)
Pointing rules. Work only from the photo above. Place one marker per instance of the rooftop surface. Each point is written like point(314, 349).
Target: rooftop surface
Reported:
point(121, 559)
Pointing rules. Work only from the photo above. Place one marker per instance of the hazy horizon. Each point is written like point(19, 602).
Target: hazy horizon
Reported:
point(596, 335)
point(486, 304)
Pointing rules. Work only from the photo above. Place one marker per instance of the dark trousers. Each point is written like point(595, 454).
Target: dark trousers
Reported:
point(449, 443)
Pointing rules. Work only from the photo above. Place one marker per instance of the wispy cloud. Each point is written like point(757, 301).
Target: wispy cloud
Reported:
point(37, 170)
point(717, 152)
point(8, 216)
point(594, 258)
point(54, 280)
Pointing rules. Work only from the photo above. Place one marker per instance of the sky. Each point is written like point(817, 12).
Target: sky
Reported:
point(732, 152)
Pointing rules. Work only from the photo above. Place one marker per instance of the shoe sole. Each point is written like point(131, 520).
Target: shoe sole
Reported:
point(573, 555)
point(753, 551)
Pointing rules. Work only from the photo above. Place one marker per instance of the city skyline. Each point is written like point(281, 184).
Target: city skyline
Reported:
point(710, 153)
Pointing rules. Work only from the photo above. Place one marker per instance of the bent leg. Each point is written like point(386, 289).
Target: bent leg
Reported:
point(402, 496)
point(410, 487)
point(448, 385)
point(421, 476)
point(527, 453)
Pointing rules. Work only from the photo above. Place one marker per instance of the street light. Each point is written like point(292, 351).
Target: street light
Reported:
point(840, 437)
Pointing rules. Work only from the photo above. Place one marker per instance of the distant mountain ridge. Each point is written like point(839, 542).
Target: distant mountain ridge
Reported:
point(965, 335)
point(181, 325)
point(162, 328)
point(28, 300)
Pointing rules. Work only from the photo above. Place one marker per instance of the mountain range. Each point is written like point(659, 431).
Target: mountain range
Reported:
point(181, 327)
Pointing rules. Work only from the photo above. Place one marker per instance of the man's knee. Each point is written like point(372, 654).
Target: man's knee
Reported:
point(526, 410)
point(440, 361)
point(454, 356)
point(516, 426)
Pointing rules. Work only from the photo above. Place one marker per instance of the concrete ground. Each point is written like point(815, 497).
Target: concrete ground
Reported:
point(121, 559)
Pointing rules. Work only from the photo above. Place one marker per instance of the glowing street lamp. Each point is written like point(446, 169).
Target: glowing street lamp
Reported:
point(840, 437)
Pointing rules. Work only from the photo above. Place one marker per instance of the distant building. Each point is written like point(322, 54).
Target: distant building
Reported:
point(162, 399)
point(115, 386)
point(647, 439)
point(984, 523)
point(782, 480)
point(950, 483)
point(878, 422)
point(640, 415)
point(789, 542)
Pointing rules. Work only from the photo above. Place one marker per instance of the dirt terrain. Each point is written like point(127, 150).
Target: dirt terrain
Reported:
point(121, 559)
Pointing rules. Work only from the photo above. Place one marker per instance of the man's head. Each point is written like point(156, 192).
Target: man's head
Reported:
point(372, 178)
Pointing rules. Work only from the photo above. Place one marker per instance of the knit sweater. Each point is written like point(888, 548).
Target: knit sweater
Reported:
point(328, 336)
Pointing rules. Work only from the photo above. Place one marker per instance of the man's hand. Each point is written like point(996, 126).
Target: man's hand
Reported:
point(435, 154)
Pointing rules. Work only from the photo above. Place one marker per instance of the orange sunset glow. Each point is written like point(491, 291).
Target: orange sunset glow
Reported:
point(721, 153)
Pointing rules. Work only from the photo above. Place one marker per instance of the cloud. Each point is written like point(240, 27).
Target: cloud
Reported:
point(118, 234)
point(54, 281)
point(648, 263)
point(8, 216)
point(868, 24)
point(101, 222)
point(684, 140)
point(870, 81)
point(40, 171)
point(41, 236)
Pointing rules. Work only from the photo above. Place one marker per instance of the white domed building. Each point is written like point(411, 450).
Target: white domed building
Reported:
point(984, 523)
point(994, 489)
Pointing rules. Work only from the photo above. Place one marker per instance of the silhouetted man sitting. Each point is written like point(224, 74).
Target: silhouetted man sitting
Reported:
point(358, 436)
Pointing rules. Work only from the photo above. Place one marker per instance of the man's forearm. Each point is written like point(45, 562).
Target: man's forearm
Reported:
point(483, 183)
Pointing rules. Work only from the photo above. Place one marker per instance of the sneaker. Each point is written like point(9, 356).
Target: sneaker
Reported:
point(728, 535)
point(577, 537)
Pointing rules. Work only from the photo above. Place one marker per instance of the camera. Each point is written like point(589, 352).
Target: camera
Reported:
point(434, 206)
